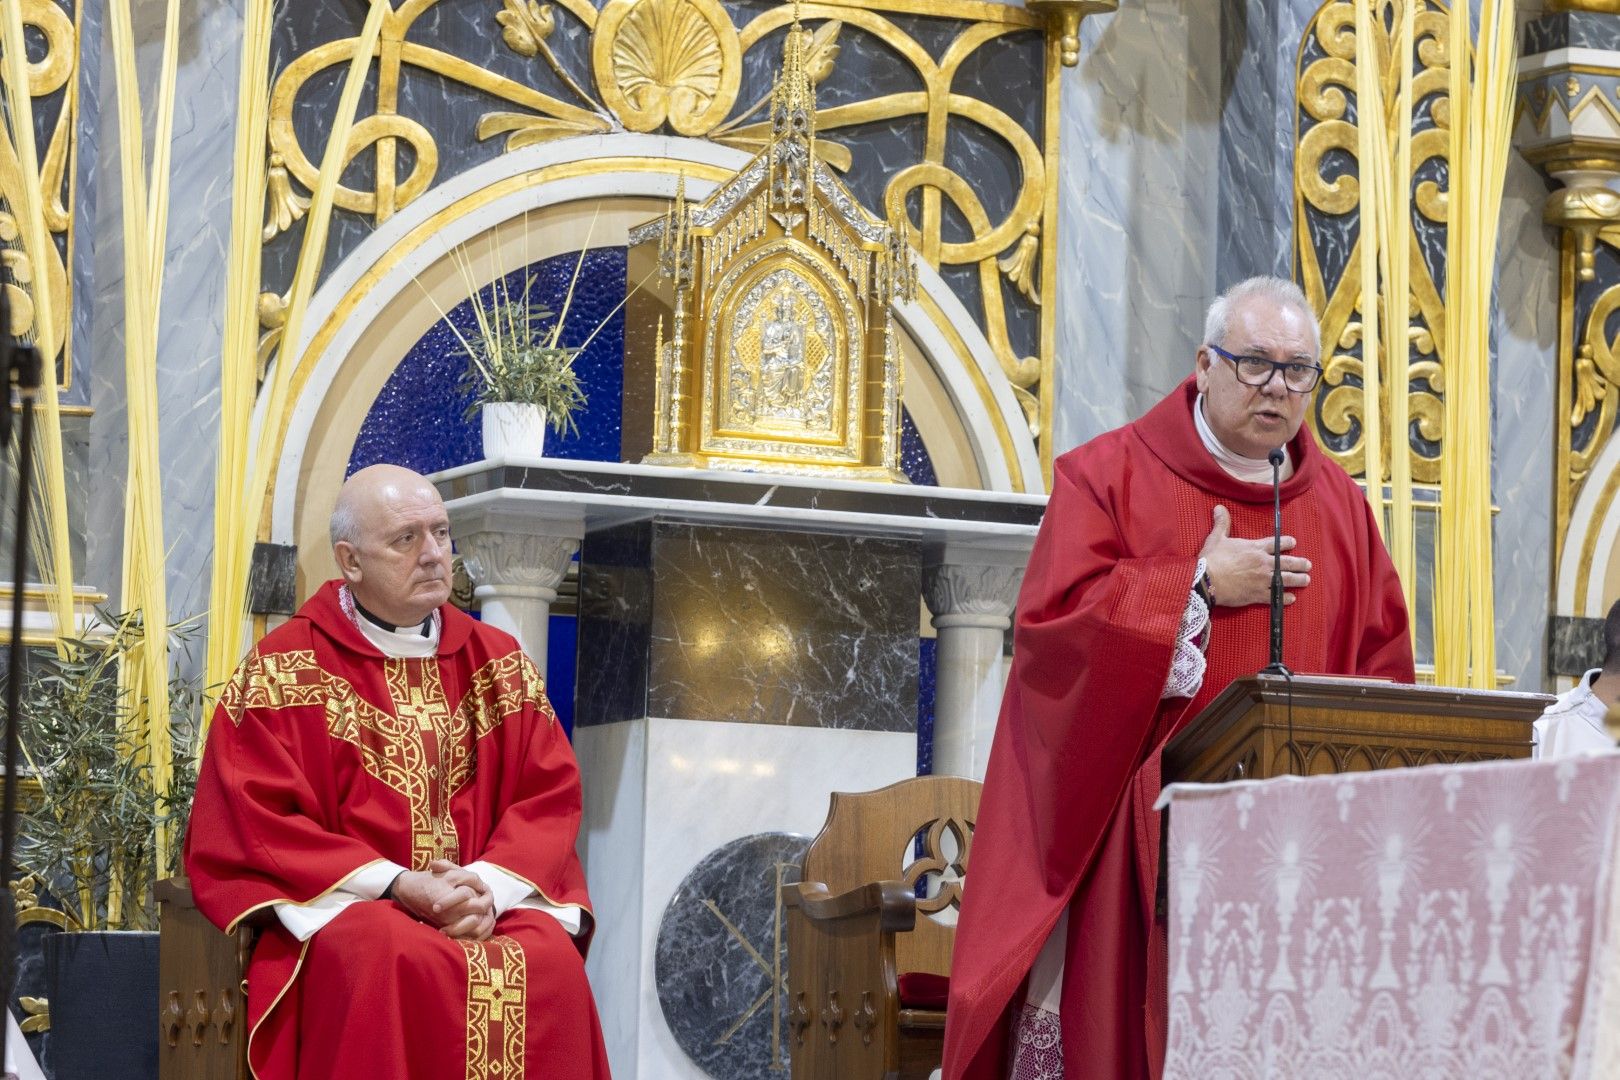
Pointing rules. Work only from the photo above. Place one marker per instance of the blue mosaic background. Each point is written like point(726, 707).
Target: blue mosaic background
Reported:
point(927, 680)
point(419, 417)
point(419, 420)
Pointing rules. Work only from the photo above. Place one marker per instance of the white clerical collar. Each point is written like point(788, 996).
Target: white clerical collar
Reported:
point(1249, 470)
point(394, 643)
point(1585, 702)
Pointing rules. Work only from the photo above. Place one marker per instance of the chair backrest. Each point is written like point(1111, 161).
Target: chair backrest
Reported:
point(918, 831)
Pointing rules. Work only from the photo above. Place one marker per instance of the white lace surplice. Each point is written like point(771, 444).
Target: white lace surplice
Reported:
point(1037, 1043)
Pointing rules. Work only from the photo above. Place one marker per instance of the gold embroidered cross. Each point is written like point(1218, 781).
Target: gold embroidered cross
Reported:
point(416, 709)
point(497, 995)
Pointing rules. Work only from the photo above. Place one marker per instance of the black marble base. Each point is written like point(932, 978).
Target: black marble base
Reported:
point(705, 622)
point(1574, 644)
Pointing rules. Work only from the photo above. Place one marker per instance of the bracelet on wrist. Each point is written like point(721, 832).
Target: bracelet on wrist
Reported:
point(1206, 590)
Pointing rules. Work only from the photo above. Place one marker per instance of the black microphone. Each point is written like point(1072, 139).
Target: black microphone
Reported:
point(1276, 667)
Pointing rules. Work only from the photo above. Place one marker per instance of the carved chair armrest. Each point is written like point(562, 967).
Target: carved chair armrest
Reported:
point(892, 901)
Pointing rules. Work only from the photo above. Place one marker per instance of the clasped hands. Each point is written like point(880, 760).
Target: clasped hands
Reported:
point(1240, 570)
point(445, 895)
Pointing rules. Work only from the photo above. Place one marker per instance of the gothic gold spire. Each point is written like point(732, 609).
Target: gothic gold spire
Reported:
point(793, 105)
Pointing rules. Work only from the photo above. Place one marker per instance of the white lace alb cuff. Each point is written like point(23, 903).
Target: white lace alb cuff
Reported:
point(1192, 637)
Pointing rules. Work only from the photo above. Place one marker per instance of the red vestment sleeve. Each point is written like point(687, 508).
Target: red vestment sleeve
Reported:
point(258, 832)
point(1095, 635)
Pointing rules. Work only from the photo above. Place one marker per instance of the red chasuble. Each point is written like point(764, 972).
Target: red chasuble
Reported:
point(324, 757)
point(1066, 818)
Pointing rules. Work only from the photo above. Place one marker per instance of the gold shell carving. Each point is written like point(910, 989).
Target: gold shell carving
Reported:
point(675, 61)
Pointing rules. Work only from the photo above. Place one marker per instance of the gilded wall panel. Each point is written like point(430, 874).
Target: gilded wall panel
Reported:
point(53, 27)
point(1327, 227)
point(944, 120)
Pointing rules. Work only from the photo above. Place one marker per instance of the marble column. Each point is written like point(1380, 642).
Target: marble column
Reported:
point(515, 570)
point(970, 593)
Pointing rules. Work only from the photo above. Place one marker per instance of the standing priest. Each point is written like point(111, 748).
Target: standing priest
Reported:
point(385, 775)
point(1146, 594)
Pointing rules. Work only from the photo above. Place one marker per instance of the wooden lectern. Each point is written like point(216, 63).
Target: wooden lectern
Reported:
point(1269, 725)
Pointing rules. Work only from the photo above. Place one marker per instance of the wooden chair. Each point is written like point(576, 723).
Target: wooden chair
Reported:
point(867, 976)
point(202, 991)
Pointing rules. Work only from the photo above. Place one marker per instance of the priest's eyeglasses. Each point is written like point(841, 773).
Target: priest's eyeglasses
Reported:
point(1257, 371)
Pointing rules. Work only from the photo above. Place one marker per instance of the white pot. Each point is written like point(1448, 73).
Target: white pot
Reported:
point(513, 430)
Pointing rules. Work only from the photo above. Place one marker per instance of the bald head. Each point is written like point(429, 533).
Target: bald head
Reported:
point(391, 539)
point(362, 492)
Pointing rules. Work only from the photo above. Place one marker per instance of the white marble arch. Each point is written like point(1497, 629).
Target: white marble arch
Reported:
point(357, 291)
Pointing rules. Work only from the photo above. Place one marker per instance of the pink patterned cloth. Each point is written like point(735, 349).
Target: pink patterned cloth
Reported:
point(1434, 922)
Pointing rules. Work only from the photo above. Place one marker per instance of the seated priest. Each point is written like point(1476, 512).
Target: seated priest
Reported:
point(1574, 723)
point(386, 776)
point(1146, 595)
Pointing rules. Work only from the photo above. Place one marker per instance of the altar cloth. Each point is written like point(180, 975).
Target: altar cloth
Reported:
point(1450, 921)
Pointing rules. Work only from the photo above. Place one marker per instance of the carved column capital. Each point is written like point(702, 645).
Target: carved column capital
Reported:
point(517, 564)
point(972, 594)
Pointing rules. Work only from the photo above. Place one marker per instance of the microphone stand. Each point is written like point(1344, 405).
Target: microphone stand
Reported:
point(20, 366)
point(1276, 667)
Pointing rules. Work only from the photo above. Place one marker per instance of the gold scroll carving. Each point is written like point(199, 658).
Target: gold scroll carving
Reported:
point(676, 65)
point(1326, 195)
point(55, 72)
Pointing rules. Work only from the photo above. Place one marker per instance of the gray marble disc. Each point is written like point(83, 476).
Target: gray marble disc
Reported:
point(721, 964)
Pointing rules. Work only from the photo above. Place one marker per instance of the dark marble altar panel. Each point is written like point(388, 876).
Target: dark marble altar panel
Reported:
point(782, 628)
point(927, 687)
point(273, 579)
point(705, 622)
point(615, 621)
point(722, 927)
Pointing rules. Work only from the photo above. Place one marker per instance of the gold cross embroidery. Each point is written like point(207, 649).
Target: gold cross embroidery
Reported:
point(496, 994)
point(416, 709)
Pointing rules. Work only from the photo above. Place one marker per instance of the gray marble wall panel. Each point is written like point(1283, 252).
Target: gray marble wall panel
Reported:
point(192, 316)
point(1259, 41)
point(1137, 209)
point(751, 626)
point(86, 166)
point(1524, 397)
point(99, 323)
